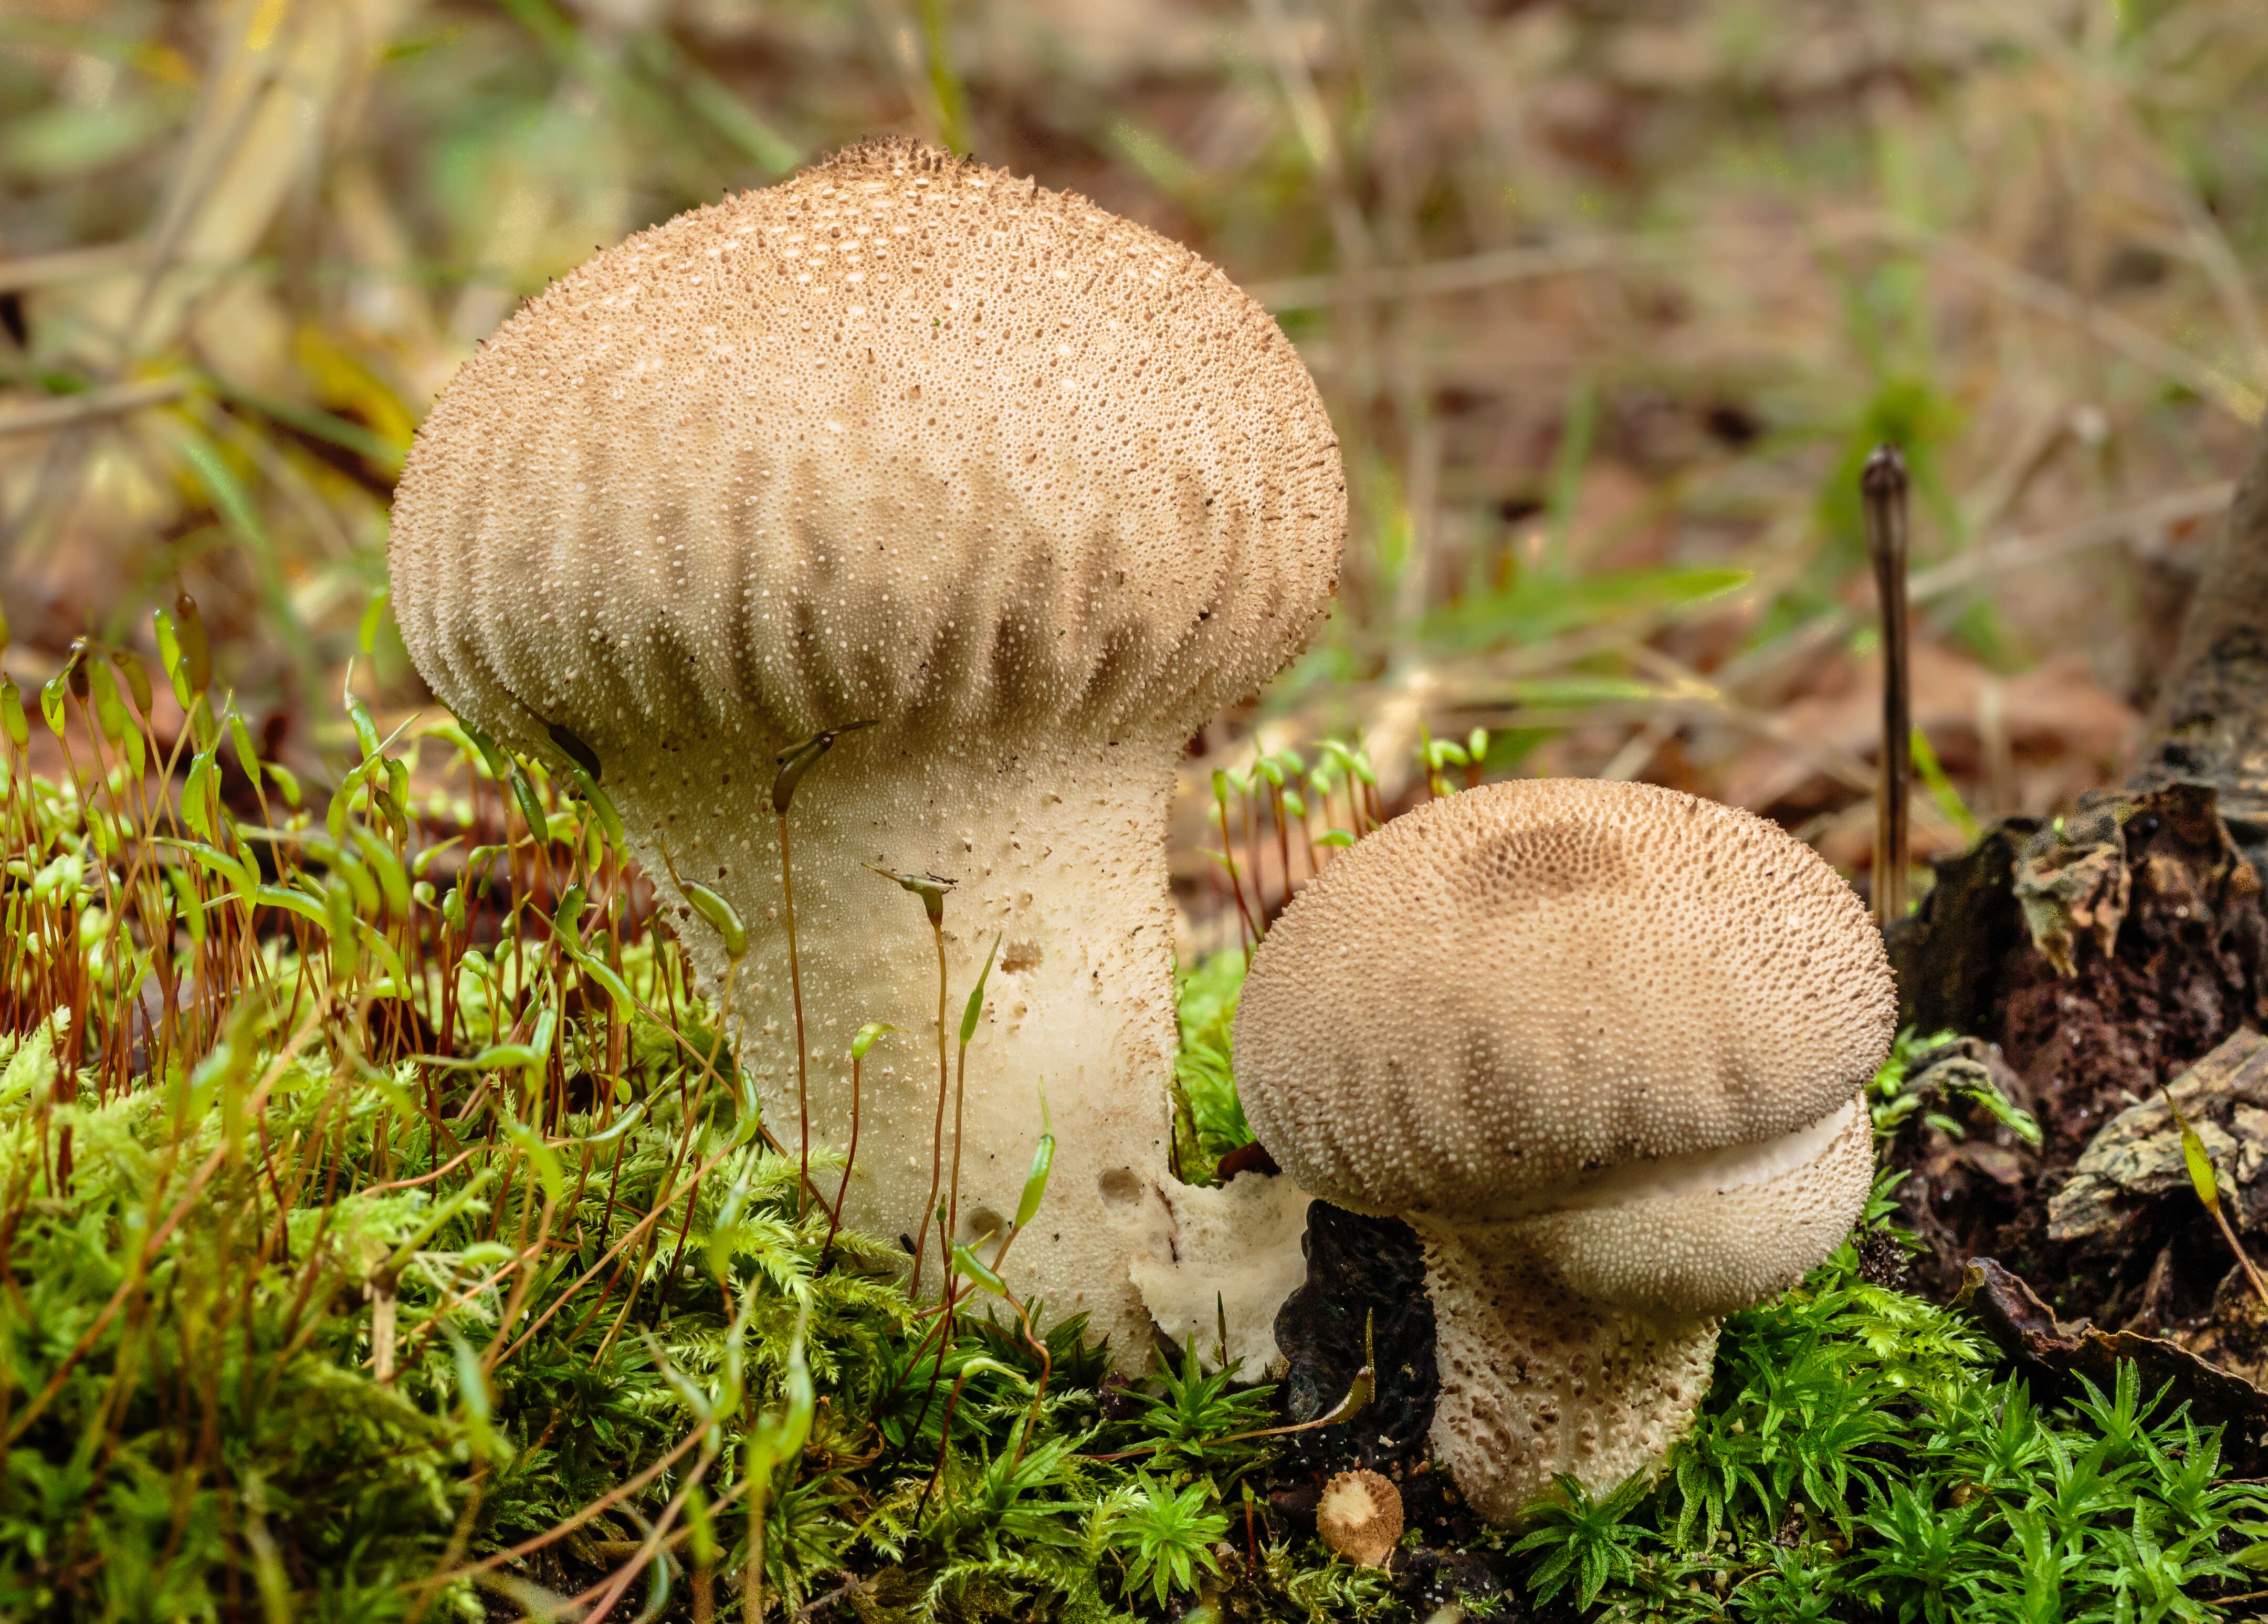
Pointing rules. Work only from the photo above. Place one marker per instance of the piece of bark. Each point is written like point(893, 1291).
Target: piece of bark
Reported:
point(2106, 951)
point(2055, 1355)
point(2235, 1336)
point(2211, 724)
point(1949, 954)
point(2101, 957)
point(2138, 1155)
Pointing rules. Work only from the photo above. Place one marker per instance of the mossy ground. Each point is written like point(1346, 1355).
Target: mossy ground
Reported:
point(1661, 277)
point(387, 1236)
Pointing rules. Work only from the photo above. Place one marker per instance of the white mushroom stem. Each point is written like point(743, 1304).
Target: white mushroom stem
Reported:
point(902, 439)
point(1537, 1381)
point(1060, 850)
point(1579, 1340)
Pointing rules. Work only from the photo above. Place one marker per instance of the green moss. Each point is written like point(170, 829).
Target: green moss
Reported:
point(1859, 1456)
point(390, 1278)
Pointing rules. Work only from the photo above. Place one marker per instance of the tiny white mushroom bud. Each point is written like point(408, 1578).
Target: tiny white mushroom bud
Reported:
point(1359, 1516)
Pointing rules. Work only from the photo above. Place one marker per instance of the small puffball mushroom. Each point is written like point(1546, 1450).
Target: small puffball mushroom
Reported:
point(907, 440)
point(1359, 1516)
point(1600, 1044)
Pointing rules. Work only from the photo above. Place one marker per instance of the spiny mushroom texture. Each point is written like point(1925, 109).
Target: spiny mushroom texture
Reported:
point(908, 440)
point(1602, 1045)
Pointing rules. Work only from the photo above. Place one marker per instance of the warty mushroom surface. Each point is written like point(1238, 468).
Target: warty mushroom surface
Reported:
point(1601, 1044)
point(909, 440)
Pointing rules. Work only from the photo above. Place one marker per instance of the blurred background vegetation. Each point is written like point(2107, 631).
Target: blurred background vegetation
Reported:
point(1609, 299)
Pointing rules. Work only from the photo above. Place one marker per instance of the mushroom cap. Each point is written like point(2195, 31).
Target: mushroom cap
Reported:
point(1558, 993)
point(902, 436)
point(1359, 1516)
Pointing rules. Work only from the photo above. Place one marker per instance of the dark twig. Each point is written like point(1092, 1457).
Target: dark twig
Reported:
point(1883, 486)
point(852, 1585)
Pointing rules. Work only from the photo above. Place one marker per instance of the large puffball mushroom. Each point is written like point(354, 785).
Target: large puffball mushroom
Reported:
point(908, 440)
point(1602, 1045)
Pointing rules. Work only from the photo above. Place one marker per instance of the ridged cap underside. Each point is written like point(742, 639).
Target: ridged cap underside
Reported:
point(1514, 988)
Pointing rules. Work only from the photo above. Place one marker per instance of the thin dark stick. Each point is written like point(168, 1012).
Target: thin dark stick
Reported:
point(1883, 486)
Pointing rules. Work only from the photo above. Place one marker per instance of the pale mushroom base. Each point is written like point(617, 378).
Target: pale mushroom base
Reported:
point(1537, 1381)
point(1229, 1259)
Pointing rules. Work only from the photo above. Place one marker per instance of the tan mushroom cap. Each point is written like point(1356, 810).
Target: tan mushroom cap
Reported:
point(1558, 993)
point(904, 437)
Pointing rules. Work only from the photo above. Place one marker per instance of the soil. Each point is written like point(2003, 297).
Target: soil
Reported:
point(1365, 1302)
